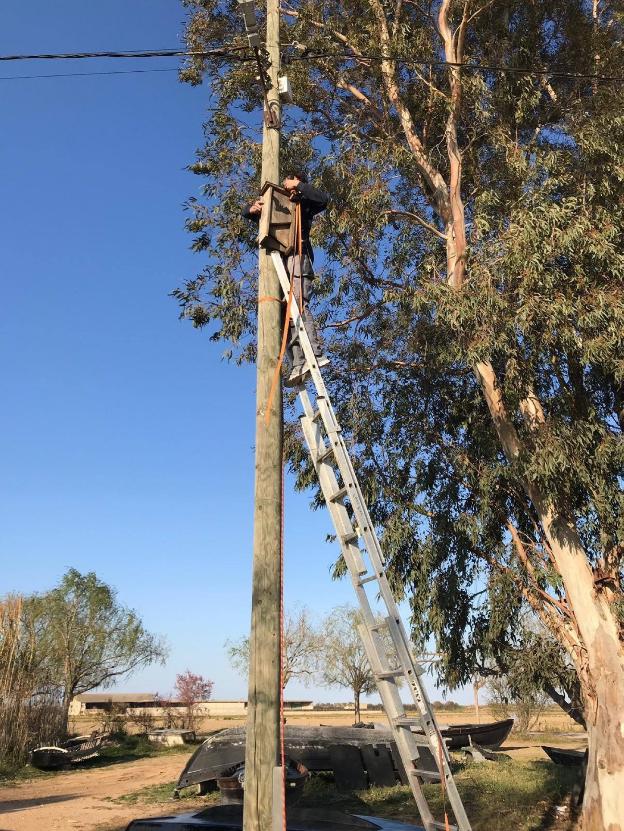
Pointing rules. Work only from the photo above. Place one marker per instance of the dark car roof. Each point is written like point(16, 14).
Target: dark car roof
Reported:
point(230, 818)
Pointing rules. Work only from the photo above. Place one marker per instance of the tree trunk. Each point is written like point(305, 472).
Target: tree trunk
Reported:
point(356, 703)
point(67, 698)
point(602, 684)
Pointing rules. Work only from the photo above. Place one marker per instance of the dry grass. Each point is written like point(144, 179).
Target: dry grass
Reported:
point(553, 720)
point(501, 796)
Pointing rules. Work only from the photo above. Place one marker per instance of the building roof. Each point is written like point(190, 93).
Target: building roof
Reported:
point(94, 698)
point(104, 697)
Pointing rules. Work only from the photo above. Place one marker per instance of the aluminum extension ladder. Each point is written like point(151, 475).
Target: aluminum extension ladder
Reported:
point(352, 522)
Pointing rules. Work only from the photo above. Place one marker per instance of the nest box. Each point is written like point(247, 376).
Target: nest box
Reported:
point(276, 230)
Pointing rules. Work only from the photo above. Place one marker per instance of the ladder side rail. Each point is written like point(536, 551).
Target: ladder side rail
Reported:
point(338, 512)
point(405, 750)
point(437, 745)
point(407, 745)
point(329, 417)
point(297, 320)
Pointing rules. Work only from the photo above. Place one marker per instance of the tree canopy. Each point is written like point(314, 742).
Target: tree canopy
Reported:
point(343, 658)
point(302, 644)
point(472, 292)
point(541, 178)
point(88, 638)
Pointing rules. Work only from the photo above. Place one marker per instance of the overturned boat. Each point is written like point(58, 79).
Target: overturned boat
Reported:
point(71, 752)
point(358, 757)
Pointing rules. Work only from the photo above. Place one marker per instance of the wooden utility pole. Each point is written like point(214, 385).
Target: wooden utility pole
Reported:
point(263, 708)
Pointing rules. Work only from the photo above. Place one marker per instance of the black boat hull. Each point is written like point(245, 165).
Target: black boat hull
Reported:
point(490, 735)
point(565, 756)
point(357, 757)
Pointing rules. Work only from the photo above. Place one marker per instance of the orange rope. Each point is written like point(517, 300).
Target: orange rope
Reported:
point(282, 656)
point(442, 780)
point(300, 250)
point(278, 367)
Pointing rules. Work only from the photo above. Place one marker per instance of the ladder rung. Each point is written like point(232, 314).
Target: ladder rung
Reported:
point(339, 494)
point(430, 774)
point(316, 415)
point(406, 721)
point(325, 454)
point(443, 826)
point(375, 627)
point(391, 673)
point(350, 536)
point(368, 579)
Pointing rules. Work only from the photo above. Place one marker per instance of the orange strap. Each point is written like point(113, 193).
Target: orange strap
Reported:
point(282, 657)
point(266, 297)
point(442, 780)
point(278, 367)
point(300, 250)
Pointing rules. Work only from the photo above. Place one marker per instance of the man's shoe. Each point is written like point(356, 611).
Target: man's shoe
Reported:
point(322, 361)
point(297, 376)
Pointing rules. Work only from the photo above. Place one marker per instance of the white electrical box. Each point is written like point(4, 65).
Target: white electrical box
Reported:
point(284, 90)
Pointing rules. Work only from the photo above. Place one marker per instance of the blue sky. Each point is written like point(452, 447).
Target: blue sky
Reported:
point(126, 442)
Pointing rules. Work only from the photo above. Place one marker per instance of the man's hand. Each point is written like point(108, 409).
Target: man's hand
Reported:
point(256, 208)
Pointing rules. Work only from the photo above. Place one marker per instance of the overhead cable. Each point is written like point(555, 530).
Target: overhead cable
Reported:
point(242, 54)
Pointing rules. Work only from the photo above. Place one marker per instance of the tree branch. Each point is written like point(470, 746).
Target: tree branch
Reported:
point(419, 220)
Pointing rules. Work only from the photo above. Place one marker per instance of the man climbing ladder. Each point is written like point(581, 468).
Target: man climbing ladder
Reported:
point(299, 266)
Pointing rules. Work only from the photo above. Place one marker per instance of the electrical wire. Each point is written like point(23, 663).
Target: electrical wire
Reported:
point(130, 53)
point(241, 53)
point(478, 67)
point(85, 74)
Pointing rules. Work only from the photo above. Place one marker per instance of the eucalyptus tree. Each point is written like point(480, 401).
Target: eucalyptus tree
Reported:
point(472, 291)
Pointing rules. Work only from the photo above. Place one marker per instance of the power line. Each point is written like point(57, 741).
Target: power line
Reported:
point(478, 67)
point(85, 74)
point(130, 53)
point(241, 53)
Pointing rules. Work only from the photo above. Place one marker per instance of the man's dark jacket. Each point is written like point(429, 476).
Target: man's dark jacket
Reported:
point(313, 201)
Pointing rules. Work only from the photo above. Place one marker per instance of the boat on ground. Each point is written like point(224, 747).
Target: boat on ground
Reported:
point(565, 756)
point(358, 757)
point(490, 736)
point(70, 752)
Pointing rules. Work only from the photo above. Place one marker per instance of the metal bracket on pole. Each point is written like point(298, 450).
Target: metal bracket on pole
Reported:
point(263, 61)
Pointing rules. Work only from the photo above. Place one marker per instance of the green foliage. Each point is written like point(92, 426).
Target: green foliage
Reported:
point(89, 638)
point(76, 637)
point(542, 183)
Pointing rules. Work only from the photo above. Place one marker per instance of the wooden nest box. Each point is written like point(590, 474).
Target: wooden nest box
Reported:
point(277, 229)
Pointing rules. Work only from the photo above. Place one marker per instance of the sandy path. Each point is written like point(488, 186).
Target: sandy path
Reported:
point(79, 799)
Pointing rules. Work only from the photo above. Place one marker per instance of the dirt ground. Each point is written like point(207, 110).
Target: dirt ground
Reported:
point(81, 799)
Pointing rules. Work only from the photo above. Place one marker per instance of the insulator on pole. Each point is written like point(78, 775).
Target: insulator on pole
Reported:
point(248, 10)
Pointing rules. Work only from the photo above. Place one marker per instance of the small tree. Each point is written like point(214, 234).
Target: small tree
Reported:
point(344, 662)
point(192, 689)
point(302, 646)
point(90, 640)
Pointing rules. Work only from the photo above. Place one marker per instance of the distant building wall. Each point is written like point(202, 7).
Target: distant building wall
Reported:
point(96, 703)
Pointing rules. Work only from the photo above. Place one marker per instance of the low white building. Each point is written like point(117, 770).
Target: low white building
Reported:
point(96, 703)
